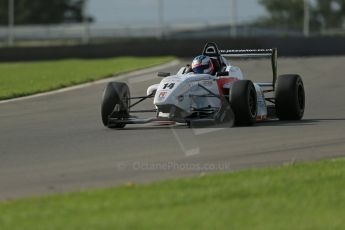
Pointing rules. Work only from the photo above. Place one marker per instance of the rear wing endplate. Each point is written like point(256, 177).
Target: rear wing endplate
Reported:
point(255, 53)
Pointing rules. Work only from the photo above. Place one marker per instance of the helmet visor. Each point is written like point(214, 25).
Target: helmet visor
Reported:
point(200, 68)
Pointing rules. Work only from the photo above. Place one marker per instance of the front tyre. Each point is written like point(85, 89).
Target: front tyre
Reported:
point(290, 97)
point(243, 102)
point(115, 103)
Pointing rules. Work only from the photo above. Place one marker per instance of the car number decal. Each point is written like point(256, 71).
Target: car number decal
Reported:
point(169, 86)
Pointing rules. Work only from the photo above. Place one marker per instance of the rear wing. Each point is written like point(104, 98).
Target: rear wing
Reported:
point(255, 53)
point(211, 49)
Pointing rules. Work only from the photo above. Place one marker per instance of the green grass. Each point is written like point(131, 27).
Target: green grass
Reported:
point(302, 196)
point(26, 78)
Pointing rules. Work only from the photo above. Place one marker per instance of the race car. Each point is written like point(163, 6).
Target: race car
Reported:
point(224, 97)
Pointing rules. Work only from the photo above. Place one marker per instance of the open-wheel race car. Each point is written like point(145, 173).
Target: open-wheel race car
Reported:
point(223, 97)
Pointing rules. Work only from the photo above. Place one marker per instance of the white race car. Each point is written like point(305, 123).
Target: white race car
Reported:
point(203, 99)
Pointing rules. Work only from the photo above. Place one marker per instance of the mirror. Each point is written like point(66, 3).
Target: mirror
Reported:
point(222, 74)
point(163, 74)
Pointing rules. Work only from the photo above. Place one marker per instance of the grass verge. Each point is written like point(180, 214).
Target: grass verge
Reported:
point(302, 196)
point(27, 78)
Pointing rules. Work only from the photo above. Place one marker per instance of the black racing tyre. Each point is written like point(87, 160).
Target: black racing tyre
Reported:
point(289, 97)
point(243, 102)
point(115, 94)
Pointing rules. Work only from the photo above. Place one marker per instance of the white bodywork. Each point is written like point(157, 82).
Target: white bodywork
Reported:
point(261, 103)
point(182, 91)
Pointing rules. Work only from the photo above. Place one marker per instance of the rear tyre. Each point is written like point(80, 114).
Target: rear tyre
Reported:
point(243, 102)
point(115, 103)
point(289, 97)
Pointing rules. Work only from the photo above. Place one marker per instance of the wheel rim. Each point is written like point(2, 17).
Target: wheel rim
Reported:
point(252, 103)
point(124, 101)
point(301, 97)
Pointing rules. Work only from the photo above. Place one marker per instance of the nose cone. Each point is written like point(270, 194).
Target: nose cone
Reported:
point(162, 97)
point(168, 91)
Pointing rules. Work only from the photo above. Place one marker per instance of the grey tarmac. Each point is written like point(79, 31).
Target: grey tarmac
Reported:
point(57, 143)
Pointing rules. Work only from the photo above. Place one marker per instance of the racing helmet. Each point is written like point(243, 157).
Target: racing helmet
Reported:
point(202, 64)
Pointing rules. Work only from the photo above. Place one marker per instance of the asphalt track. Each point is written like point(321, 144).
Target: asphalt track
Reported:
point(56, 143)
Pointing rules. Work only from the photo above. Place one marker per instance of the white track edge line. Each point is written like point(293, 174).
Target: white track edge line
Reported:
point(102, 81)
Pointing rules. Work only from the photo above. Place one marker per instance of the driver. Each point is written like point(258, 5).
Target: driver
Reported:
point(203, 65)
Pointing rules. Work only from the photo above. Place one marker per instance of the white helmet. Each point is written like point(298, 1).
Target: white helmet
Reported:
point(202, 64)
